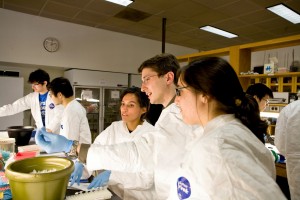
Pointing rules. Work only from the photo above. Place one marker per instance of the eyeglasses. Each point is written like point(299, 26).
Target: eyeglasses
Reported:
point(34, 84)
point(147, 78)
point(266, 100)
point(179, 89)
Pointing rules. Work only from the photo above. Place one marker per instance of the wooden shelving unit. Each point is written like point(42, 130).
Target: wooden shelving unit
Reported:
point(240, 59)
point(279, 82)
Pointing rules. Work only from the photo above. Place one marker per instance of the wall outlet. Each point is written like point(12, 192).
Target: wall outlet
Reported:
point(274, 108)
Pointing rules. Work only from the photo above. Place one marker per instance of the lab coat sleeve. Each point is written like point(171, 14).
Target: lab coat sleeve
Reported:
point(135, 156)
point(287, 140)
point(281, 131)
point(137, 181)
point(54, 124)
point(18, 106)
point(102, 137)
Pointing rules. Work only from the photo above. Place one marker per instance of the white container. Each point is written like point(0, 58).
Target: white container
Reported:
point(7, 147)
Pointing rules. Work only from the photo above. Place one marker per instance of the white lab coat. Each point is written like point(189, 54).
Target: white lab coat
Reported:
point(227, 162)
point(287, 141)
point(161, 150)
point(74, 123)
point(31, 101)
point(128, 186)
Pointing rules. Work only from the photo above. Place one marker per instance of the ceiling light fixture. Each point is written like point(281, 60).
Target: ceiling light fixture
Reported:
point(285, 12)
point(218, 31)
point(121, 2)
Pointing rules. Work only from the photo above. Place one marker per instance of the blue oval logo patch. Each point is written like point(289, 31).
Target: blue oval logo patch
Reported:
point(183, 188)
point(51, 106)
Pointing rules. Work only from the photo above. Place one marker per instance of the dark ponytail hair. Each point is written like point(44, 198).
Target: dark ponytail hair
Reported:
point(248, 112)
point(214, 76)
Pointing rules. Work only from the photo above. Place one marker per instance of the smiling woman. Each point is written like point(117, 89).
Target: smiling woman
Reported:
point(133, 126)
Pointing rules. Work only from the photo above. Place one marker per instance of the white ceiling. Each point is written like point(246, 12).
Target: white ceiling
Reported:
point(247, 18)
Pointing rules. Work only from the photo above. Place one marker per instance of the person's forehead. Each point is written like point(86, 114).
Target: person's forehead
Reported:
point(147, 71)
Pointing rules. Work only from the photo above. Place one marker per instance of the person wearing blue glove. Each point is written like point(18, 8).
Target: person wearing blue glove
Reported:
point(100, 180)
point(74, 123)
point(133, 126)
point(77, 173)
point(51, 142)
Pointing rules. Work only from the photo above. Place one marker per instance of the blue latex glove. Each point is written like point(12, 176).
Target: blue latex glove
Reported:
point(77, 173)
point(100, 180)
point(52, 142)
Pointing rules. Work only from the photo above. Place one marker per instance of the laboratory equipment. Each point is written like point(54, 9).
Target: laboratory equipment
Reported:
point(7, 147)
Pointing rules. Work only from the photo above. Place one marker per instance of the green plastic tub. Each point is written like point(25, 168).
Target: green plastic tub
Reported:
point(51, 185)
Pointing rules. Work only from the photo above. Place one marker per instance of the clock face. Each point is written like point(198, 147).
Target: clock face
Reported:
point(51, 44)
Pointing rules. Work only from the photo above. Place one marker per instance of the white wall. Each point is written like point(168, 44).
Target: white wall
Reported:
point(22, 35)
point(9, 95)
point(284, 56)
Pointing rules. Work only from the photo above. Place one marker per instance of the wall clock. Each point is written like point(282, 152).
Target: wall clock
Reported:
point(51, 44)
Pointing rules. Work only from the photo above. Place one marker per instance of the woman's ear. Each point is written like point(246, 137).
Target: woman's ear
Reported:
point(204, 98)
point(144, 110)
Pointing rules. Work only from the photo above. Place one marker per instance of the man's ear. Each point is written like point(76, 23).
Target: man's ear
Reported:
point(59, 95)
point(170, 77)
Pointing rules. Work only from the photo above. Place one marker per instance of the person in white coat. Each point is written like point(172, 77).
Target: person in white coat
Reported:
point(160, 152)
point(74, 123)
point(134, 108)
point(44, 111)
point(229, 161)
point(287, 141)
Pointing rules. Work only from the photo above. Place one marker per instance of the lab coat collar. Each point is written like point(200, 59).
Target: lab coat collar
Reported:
point(218, 122)
point(172, 101)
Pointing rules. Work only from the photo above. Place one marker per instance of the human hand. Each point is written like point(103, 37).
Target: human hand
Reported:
point(100, 180)
point(77, 173)
point(52, 142)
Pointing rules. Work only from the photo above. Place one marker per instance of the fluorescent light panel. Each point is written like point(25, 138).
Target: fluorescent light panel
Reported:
point(121, 2)
point(218, 31)
point(285, 13)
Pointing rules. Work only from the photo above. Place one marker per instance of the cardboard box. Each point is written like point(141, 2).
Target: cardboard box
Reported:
point(269, 68)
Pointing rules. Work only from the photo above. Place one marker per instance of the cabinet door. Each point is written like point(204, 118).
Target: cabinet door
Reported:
point(111, 106)
point(287, 83)
point(296, 84)
point(89, 98)
point(274, 83)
